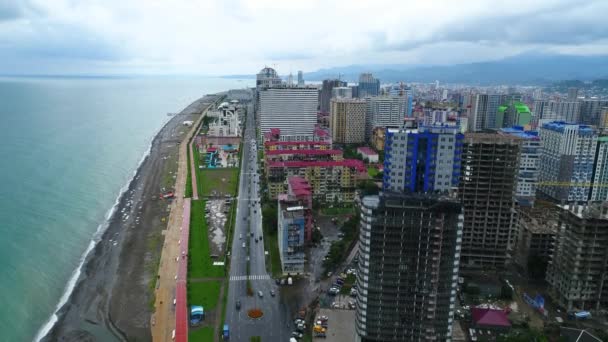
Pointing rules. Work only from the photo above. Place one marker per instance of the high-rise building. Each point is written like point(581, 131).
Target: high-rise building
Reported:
point(487, 191)
point(513, 114)
point(300, 78)
point(550, 110)
point(483, 111)
point(292, 110)
point(368, 85)
point(529, 159)
point(426, 159)
point(384, 111)
point(599, 190)
point(537, 232)
point(590, 111)
point(577, 273)
point(345, 92)
point(265, 79)
point(572, 94)
point(291, 227)
point(347, 120)
point(326, 93)
point(408, 267)
point(566, 161)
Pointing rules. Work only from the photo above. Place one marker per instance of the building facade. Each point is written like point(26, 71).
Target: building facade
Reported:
point(599, 188)
point(384, 111)
point(347, 120)
point(345, 92)
point(326, 93)
point(566, 161)
point(329, 181)
point(483, 111)
point(408, 269)
point(529, 164)
point(368, 85)
point(578, 271)
point(513, 114)
point(426, 159)
point(550, 110)
point(291, 227)
point(487, 191)
point(590, 111)
point(537, 232)
point(292, 110)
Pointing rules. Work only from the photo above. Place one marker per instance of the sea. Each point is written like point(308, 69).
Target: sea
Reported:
point(68, 146)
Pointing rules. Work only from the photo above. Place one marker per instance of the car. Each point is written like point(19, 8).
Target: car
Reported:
point(260, 294)
point(297, 334)
point(240, 236)
point(256, 240)
point(238, 305)
point(272, 293)
point(243, 245)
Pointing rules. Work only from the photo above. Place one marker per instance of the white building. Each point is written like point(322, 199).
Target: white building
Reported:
point(547, 111)
point(292, 110)
point(225, 121)
point(566, 162)
point(529, 159)
point(599, 192)
point(345, 92)
point(384, 111)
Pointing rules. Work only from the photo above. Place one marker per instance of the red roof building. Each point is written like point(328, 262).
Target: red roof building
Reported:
point(490, 318)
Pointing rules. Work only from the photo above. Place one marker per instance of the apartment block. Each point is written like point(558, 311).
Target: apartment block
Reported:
point(291, 228)
point(347, 120)
point(599, 188)
point(426, 159)
point(551, 110)
point(329, 180)
point(409, 247)
point(578, 273)
point(384, 111)
point(292, 110)
point(529, 160)
point(567, 160)
point(487, 191)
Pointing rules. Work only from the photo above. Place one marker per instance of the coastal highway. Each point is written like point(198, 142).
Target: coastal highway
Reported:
point(276, 324)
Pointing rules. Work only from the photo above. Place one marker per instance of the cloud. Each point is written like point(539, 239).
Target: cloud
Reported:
point(220, 37)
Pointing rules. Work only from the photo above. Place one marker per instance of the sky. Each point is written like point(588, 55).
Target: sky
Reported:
point(223, 37)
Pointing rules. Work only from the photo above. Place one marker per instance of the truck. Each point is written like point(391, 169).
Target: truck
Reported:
point(226, 333)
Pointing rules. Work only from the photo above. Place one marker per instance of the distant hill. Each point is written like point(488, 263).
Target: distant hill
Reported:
point(523, 69)
point(539, 69)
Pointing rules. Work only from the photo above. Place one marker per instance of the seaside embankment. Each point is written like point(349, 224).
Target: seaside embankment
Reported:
point(113, 298)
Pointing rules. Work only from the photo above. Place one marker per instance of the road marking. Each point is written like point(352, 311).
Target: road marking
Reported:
point(253, 277)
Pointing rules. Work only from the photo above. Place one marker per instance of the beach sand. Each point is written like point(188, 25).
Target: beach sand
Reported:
point(112, 300)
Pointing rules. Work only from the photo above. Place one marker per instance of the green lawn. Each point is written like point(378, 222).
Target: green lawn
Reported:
point(255, 339)
point(188, 191)
point(272, 246)
point(200, 264)
point(224, 181)
point(204, 293)
point(204, 334)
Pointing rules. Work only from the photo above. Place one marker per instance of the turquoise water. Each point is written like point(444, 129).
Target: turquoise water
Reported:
point(68, 147)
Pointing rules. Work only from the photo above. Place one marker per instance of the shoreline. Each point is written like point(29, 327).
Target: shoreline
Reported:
point(85, 309)
point(75, 277)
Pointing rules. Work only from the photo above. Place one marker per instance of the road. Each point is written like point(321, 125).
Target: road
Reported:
point(276, 324)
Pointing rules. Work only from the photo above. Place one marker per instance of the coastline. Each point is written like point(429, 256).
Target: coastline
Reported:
point(107, 296)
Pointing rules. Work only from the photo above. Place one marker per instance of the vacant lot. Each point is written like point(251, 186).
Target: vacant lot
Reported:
point(222, 181)
point(200, 263)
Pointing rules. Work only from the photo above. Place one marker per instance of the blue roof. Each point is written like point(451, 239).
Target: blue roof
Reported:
point(519, 132)
point(559, 126)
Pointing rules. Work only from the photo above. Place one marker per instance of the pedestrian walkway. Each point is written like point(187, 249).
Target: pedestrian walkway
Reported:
point(253, 277)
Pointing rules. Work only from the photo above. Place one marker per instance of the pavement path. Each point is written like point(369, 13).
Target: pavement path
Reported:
point(163, 319)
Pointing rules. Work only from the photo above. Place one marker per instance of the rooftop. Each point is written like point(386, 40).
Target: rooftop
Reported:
point(559, 126)
point(305, 152)
point(366, 150)
point(295, 143)
point(540, 220)
point(490, 317)
point(519, 132)
point(354, 163)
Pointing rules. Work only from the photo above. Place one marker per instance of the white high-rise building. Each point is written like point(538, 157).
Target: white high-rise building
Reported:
point(384, 111)
point(344, 92)
point(292, 110)
point(566, 161)
point(547, 111)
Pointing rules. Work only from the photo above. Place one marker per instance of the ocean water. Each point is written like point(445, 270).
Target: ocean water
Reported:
point(68, 146)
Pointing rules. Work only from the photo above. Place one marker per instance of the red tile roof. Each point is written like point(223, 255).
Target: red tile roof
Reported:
point(295, 143)
point(355, 163)
point(307, 152)
point(490, 317)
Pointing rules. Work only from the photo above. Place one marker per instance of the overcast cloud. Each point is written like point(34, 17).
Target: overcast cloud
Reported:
point(241, 36)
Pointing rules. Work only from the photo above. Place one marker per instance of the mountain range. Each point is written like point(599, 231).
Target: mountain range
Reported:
point(525, 69)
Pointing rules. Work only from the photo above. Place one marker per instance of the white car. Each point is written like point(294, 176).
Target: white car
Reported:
point(243, 245)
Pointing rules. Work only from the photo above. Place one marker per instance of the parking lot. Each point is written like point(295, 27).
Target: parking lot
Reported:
point(340, 325)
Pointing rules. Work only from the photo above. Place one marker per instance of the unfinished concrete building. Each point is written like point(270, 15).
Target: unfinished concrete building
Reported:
point(578, 273)
point(537, 231)
point(487, 191)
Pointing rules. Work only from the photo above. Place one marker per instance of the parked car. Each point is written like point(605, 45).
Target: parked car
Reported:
point(238, 305)
point(272, 293)
point(260, 294)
